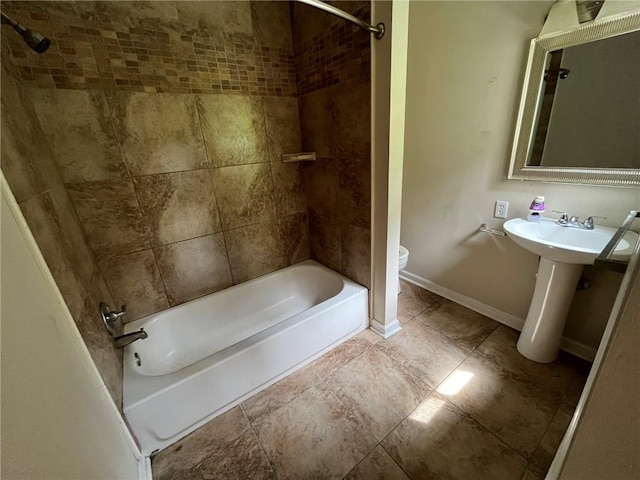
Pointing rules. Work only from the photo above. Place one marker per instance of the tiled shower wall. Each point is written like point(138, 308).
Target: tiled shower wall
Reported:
point(179, 194)
point(144, 149)
point(31, 171)
point(333, 74)
point(152, 180)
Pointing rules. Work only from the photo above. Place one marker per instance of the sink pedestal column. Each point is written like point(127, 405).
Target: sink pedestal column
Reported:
point(542, 331)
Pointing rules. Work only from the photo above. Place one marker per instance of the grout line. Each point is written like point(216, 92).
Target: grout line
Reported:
point(392, 457)
point(255, 435)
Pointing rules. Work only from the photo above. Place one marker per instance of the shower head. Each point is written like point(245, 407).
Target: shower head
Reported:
point(36, 41)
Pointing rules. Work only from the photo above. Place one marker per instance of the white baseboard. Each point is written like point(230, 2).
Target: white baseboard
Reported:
point(144, 469)
point(385, 331)
point(567, 344)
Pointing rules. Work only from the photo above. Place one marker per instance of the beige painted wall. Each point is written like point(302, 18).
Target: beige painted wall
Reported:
point(465, 74)
point(58, 420)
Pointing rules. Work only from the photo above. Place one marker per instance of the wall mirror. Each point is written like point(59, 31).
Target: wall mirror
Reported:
point(579, 118)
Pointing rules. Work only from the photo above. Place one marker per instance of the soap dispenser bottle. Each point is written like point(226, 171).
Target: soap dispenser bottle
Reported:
point(536, 209)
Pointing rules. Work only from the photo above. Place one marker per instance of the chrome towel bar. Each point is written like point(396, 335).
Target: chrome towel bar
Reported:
point(485, 229)
point(603, 259)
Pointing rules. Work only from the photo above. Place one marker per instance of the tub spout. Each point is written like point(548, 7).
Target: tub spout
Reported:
point(124, 340)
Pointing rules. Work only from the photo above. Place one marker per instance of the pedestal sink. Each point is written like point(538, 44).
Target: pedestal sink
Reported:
point(563, 252)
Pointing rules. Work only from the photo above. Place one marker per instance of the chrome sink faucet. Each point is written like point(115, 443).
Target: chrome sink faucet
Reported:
point(575, 222)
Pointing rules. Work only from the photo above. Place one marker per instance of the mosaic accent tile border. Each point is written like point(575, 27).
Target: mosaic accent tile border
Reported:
point(335, 56)
point(111, 55)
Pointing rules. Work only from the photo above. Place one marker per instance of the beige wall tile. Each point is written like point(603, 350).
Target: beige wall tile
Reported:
point(308, 22)
point(160, 131)
point(356, 254)
point(79, 129)
point(27, 161)
point(245, 194)
point(351, 114)
point(111, 217)
point(52, 220)
point(272, 24)
point(126, 13)
point(56, 228)
point(233, 128)
point(325, 243)
point(254, 250)
point(134, 280)
point(321, 187)
point(221, 20)
point(316, 123)
point(294, 238)
point(178, 206)
point(107, 357)
point(288, 188)
point(354, 191)
point(282, 122)
point(194, 268)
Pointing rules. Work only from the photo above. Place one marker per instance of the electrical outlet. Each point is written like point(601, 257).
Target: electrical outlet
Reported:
point(501, 209)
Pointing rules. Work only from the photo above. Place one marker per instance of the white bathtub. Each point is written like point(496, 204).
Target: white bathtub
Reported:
point(206, 356)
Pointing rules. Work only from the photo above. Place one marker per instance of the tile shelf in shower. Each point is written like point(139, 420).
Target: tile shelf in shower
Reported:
point(298, 157)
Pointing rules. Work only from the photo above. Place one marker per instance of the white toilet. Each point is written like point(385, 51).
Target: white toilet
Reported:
point(403, 258)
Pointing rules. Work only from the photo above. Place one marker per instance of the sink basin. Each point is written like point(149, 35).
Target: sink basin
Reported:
point(563, 251)
point(567, 244)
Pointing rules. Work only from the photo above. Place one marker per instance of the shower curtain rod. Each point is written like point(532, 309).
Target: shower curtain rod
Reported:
point(377, 30)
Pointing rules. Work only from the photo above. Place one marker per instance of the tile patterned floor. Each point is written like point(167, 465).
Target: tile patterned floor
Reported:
point(447, 397)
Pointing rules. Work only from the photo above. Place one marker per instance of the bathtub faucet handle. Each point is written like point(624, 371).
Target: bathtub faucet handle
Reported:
point(109, 317)
point(113, 316)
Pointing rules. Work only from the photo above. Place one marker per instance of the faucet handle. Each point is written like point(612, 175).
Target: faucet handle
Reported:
point(564, 217)
point(588, 223)
point(113, 315)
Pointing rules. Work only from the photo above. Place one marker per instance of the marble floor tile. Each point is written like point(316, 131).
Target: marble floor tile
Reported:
point(377, 390)
point(414, 300)
point(339, 356)
point(196, 447)
point(378, 465)
point(425, 352)
point(314, 437)
point(438, 441)
point(531, 475)
point(369, 336)
point(564, 377)
point(546, 450)
point(516, 411)
point(240, 459)
point(279, 394)
point(404, 317)
point(466, 327)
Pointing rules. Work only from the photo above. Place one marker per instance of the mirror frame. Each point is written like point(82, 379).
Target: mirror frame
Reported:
point(528, 111)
